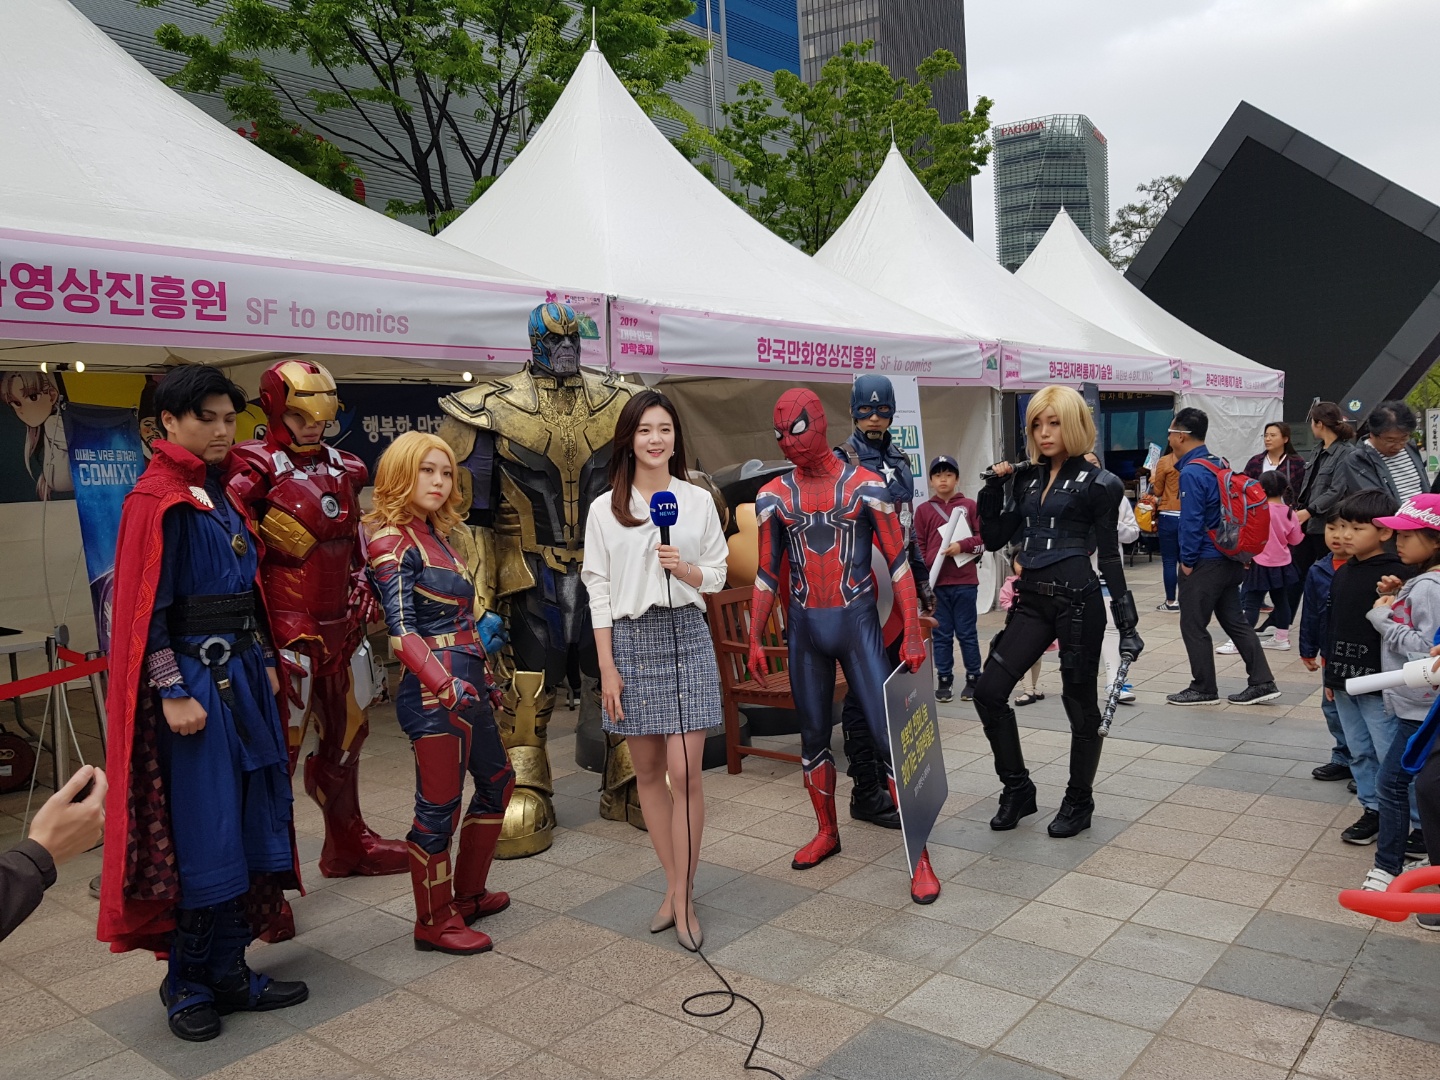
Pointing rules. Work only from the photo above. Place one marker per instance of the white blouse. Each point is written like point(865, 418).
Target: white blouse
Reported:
point(622, 571)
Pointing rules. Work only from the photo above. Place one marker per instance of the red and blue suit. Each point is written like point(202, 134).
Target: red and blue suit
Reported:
point(305, 501)
point(823, 518)
point(445, 705)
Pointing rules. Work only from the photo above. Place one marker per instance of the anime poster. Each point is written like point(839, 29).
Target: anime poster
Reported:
point(106, 458)
point(33, 462)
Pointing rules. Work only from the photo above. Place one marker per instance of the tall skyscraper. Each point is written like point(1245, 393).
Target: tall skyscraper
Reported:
point(904, 33)
point(1042, 165)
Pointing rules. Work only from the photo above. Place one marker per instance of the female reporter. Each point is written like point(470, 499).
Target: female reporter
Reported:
point(1063, 507)
point(658, 681)
point(446, 694)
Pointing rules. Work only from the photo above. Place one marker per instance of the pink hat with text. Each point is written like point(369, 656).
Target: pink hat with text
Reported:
point(1417, 512)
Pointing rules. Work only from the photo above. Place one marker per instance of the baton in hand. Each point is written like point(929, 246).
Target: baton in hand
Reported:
point(1116, 689)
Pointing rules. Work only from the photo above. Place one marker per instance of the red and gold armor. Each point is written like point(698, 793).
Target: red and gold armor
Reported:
point(304, 498)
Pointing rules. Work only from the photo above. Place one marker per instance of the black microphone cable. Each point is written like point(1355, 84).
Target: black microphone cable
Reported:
point(729, 994)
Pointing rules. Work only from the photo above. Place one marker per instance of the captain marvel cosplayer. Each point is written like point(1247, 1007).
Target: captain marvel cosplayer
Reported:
point(824, 517)
point(446, 699)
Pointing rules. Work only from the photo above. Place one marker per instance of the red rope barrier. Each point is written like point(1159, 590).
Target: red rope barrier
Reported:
point(79, 668)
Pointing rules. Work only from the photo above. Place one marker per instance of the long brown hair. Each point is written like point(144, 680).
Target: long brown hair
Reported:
point(1327, 414)
point(622, 454)
point(1284, 429)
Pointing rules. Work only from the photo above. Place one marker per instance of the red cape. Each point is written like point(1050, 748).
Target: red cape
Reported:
point(140, 884)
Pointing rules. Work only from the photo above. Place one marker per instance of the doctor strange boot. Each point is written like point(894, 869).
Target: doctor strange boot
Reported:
point(523, 717)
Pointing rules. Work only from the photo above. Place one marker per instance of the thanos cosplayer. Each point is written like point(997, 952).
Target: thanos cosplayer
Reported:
point(534, 448)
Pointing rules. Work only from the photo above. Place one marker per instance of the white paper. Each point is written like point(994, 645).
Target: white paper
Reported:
point(956, 528)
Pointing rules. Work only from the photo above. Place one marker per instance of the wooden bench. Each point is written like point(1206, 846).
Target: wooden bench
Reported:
point(729, 613)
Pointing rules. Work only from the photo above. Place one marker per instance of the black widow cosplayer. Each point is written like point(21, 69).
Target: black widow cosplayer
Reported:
point(1064, 508)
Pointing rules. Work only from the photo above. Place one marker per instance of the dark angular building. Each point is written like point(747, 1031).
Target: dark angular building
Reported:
point(1303, 260)
point(904, 33)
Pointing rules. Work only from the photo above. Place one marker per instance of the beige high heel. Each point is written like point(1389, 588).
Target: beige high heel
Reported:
point(661, 922)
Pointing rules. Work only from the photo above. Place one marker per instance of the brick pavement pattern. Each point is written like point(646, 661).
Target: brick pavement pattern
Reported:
point(1192, 932)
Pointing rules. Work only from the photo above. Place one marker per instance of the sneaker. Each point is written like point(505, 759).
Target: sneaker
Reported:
point(1228, 649)
point(1331, 771)
point(943, 694)
point(1276, 644)
point(1264, 631)
point(1415, 849)
point(1127, 695)
point(1168, 605)
point(1191, 696)
point(1364, 831)
point(1428, 920)
point(1377, 880)
point(1350, 787)
point(968, 692)
point(1254, 695)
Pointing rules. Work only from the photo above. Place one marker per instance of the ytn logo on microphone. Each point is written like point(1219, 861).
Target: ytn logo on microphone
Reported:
point(664, 509)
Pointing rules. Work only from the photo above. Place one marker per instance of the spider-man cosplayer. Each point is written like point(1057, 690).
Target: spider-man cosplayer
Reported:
point(445, 705)
point(824, 516)
point(304, 498)
point(1062, 514)
point(872, 408)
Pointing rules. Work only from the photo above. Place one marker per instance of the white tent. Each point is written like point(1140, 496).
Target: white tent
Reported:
point(602, 199)
point(899, 243)
point(1239, 395)
point(129, 217)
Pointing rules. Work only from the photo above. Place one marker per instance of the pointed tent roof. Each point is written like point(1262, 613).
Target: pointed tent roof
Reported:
point(1067, 268)
point(116, 173)
point(601, 198)
point(899, 243)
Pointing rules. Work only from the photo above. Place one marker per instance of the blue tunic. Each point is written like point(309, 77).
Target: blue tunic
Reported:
point(229, 798)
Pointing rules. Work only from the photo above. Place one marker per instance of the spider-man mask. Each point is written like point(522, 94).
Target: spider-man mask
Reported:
point(800, 428)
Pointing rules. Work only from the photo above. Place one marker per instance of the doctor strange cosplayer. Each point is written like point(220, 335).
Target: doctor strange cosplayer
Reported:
point(199, 837)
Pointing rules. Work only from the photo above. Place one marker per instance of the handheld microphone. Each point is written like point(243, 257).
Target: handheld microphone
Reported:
point(1017, 468)
point(664, 512)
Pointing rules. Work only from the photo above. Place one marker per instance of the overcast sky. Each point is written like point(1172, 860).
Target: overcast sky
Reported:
point(1160, 77)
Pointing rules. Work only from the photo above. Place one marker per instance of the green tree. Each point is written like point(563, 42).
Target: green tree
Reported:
point(1134, 222)
point(803, 157)
point(407, 72)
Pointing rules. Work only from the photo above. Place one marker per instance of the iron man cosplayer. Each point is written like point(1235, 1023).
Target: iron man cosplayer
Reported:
point(824, 516)
point(533, 449)
point(304, 499)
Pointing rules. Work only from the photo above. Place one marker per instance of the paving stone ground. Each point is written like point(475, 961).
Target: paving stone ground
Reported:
point(1193, 932)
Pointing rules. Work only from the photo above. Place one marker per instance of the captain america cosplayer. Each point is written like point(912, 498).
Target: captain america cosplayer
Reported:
point(824, 516)
point(872, 408)
point(304, 497)
point(199, 839)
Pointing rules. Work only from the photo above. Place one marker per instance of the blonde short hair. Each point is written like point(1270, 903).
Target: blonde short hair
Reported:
point(396, 475)
point(1077, 426)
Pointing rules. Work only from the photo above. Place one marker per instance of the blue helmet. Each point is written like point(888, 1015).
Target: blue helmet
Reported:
point(551, 319)
point(872, 395)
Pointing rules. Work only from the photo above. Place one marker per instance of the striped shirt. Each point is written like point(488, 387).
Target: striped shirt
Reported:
point(1404, 475)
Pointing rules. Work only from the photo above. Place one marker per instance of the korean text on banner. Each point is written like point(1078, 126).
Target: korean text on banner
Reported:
point(920, 781)
point(106, 458)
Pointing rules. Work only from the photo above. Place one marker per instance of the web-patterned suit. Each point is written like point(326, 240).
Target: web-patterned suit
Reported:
point(823, 518)
point(445, 705)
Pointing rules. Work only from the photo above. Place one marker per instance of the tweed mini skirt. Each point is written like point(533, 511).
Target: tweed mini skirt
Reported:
point(645, 655)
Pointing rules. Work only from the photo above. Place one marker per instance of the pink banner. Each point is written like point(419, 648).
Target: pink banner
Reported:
point(1252, 382)
point(1030, 368)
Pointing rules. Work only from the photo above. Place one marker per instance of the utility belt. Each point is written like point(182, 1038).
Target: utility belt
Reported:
point(1058, 589)
point(453, 641)
point(224, 613)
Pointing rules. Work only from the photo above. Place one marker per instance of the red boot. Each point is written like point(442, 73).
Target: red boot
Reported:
point(479, 833)
point(924, 885)
point(350, 845)
point(820, 783)
point(438, 926)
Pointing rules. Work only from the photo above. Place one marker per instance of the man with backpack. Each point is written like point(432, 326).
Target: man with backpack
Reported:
point(1218, 522)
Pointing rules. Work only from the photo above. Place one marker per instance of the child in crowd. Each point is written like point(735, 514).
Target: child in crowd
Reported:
point(1353, 648)
point(1032, 677)
point(1407, 617)
point(957, 586)
point(1272, 571)
point(1314, 625)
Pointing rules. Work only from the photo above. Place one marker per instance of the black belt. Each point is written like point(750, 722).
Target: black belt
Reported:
point(1056, 588)
point(222, 613)
point(1054, 543)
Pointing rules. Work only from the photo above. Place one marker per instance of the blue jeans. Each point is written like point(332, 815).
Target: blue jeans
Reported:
point(1369, 731)
point(1340, 754)
point(1398, 814)
point(955, 611)
point(1167, 527)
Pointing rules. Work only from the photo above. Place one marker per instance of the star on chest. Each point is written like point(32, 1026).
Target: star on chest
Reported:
point(887, 471)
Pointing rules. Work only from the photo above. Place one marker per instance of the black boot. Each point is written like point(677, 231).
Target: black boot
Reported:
point(1018, 799)
point(236, 987)
point(1079, 802)
point(869, 793)
point(189, 1001)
